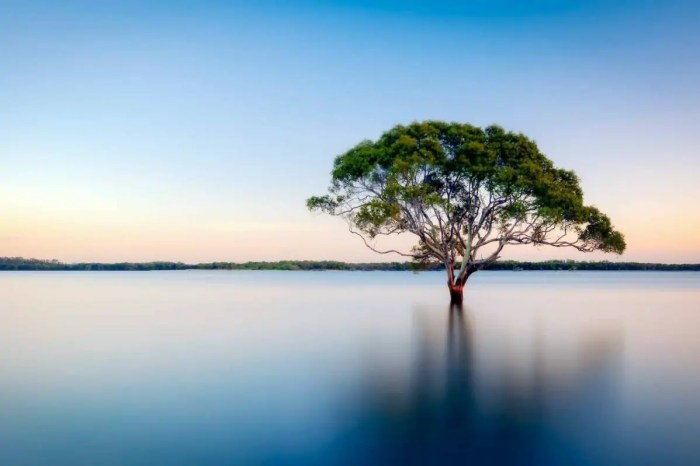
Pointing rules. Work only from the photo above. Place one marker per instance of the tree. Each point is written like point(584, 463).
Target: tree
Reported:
point(465, 193)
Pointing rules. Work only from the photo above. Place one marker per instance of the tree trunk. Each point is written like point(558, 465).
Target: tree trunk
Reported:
point(456, 294)
point(456, 288)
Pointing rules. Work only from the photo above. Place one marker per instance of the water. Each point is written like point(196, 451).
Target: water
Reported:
point(210, 368)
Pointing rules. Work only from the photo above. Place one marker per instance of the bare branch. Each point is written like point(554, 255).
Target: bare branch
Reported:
point(389, 251)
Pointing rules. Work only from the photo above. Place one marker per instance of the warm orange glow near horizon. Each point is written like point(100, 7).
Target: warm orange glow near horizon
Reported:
point(56, 218)
point(108, 238)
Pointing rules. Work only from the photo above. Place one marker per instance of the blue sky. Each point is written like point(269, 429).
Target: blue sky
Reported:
point(194, 131)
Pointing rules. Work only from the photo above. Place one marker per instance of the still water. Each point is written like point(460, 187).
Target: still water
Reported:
point(226, 368)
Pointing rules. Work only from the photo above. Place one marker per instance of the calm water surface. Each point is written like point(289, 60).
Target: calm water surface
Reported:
point(221, 368)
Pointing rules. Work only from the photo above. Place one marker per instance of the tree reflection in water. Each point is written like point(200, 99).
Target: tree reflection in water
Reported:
point(453, 412)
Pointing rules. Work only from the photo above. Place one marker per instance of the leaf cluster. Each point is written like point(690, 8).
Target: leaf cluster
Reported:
point(449, 181)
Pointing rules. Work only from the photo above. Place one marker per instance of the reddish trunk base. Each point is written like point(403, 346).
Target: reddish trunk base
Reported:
point(456, 294)
point(456, 287)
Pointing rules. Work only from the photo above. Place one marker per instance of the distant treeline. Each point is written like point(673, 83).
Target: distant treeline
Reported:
point(18, 263)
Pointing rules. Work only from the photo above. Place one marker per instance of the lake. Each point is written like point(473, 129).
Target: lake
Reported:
point(222, 368)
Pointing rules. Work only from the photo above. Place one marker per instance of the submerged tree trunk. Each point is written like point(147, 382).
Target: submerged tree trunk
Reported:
point(456, 285)
point(456, 294)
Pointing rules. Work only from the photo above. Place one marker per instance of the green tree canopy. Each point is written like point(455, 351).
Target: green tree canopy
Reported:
point(465, 193)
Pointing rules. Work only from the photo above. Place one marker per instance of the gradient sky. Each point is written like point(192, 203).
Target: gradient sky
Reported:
point(195, 130)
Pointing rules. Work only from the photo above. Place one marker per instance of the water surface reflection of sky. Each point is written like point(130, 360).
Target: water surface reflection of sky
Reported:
point(348, 368)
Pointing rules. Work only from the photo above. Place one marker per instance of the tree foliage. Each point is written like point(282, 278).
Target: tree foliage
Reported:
point(465, 193)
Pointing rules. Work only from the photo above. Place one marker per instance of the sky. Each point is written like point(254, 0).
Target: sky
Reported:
point(195, 130)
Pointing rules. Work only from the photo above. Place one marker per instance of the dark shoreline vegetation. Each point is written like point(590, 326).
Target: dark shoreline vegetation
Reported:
point(19, 263)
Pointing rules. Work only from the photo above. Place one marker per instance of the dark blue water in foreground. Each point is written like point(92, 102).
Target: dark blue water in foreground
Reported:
point(221, 368)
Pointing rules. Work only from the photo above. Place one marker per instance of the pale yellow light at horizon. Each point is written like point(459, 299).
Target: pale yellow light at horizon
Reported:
point(76, 238)
point(65, 221)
